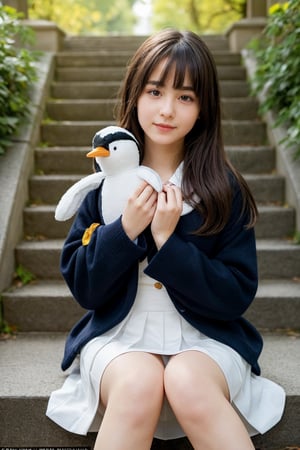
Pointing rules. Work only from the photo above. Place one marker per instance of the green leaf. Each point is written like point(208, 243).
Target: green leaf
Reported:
point(17, 73)
point(278, 67)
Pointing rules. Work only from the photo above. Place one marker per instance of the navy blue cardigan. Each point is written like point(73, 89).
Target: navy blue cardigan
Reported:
point(211, 280)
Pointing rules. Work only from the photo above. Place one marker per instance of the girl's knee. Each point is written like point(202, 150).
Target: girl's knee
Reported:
point(136, 390)
point(192, 399)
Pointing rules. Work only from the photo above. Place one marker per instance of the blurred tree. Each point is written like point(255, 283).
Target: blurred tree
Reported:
point(197, 15)
point(117, 16)
point(86, 16)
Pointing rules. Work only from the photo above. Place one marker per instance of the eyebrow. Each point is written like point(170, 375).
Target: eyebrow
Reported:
point(159, 83)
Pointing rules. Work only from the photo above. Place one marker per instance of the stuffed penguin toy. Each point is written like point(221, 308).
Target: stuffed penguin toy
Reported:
point(116, 161)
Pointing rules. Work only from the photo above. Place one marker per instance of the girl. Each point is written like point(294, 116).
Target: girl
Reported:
point(164, 350)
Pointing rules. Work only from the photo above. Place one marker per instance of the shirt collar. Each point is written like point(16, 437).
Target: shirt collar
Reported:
point(176, 179)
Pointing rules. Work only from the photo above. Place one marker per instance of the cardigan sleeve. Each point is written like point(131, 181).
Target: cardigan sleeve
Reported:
point(99, 271)
point(218, 287)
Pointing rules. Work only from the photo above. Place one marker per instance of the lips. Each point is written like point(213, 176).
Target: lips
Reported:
point(164, 126)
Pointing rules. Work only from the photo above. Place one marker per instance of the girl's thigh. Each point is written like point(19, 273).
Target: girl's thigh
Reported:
point(133, 376)
point(192, 375)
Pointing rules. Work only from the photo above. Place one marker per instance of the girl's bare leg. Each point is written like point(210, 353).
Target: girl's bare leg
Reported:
point(132, 391)
point(198, 394)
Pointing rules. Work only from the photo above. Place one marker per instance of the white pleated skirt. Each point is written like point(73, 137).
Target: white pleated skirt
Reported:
point(154, 325)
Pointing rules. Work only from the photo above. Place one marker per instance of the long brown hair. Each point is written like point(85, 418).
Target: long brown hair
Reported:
point(206, 167)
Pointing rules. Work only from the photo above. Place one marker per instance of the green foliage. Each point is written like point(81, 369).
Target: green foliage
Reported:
point(200, 16)
point(23, 275)
point(17, 73)
point(94, 17)
point(6, 330)
point(296, 238)
point(278, 70)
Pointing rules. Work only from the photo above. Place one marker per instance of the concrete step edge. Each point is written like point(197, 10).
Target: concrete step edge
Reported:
point(274, 222)
point(264, 210)
point(48, 305)
point(228, 148)
point(245, 132)
point(47, 189)
point(277, 258)
point(102, 89)
point(262, 244)
point(225, 72)
point(103, 109)
point(24, 402)
point(272, 289)
point(124, 51)
point(75, 177)
point(115, 57)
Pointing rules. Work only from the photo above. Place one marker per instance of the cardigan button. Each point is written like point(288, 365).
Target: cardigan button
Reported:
point(158, 285)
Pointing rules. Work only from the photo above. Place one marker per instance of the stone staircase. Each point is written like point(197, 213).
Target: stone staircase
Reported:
point(81, 101)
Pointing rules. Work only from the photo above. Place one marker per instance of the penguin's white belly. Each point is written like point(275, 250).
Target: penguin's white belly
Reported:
point(116, 190)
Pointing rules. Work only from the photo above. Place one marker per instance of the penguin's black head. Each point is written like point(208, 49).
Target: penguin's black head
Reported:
point(106, 139)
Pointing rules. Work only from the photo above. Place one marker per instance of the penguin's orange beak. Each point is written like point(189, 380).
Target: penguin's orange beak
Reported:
point(98, 151)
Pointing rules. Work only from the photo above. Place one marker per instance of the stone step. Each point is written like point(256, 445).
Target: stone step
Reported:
point(92, 89)
point(96, 43)
point(93, 58)
point(276, 305)
point(63, 160)
point(128, 43)
point(225, 72)
point(48, 305)
point(68, 133)
point(48, 189)
point(274, 222)
point(87, 109)
point(267, 188)
point(109, 89)
point(102, 109)
point(43, 305)
point(24, 393)
point(70, 160)
point(252, 160)
point(276, 258)
point(88, 74)
point(117, 58)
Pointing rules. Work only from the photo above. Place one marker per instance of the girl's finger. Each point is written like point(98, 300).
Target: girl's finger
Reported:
point(174, 194)
point(140, 188)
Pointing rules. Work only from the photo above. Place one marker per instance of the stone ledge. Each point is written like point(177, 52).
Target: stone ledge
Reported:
point(23, 402)
point(240, 33)
point(286, 165)
point(16, 165)
point(49, 36)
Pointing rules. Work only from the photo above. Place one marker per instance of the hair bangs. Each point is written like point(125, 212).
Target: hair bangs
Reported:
point(183, 66)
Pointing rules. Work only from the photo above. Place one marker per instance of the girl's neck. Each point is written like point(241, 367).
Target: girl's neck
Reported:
point(163, 160)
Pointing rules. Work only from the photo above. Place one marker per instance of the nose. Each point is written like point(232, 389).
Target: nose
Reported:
point(167, 107)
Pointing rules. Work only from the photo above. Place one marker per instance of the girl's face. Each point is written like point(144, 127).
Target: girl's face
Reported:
point(166, 114)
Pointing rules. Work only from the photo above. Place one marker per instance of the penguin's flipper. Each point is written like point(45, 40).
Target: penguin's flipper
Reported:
point(73, 197)
point(151, 177)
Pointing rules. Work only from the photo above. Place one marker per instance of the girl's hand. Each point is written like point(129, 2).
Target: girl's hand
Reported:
point(167, 214)
point(139, 210)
